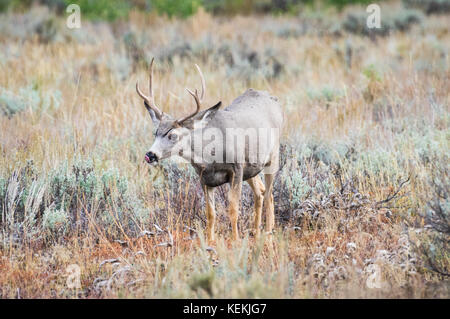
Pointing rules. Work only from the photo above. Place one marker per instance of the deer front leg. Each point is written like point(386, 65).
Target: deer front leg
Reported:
point(210, 212)
point(258, 189)
point(234, 198)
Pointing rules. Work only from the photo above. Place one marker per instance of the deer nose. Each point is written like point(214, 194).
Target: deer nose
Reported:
point(151, 157)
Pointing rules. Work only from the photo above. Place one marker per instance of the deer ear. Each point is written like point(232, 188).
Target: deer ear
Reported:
point(153, 115)
point(202, 118)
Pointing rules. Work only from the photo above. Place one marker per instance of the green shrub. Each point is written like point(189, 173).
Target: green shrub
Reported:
point(11, 104)
point(326, 93)
point(433, 242)
point(37, 22)
point(4, 5)
point(372, 73)
point(111, 10)
point(81, 190)
point(47, 30)
point(55, 223)
point(343, 3)
point(270, 6)
point(28, 97)
point(14, 4)
point(177, 8)
point(242, 61)
point(234, 6)
point(305, 172)
point(108, 10)
point(69, 198)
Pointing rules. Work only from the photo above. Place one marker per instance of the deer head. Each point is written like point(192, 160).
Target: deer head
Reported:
point(170, 132)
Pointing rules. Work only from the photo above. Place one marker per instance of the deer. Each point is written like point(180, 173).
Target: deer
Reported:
point(254, 112)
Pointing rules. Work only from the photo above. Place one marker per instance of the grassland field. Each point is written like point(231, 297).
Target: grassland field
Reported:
point(361, 198)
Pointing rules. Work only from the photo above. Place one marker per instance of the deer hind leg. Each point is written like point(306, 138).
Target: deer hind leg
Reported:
point(210, 212)
point(258, 189)
point(234, 198)
point(268, 203)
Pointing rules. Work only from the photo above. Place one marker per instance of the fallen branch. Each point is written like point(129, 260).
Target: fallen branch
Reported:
point(393, 195)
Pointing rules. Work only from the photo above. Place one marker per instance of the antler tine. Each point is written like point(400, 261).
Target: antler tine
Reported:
point(197, 102)
point(198, 99)
point(149, 100)
point(150, 79)
point(203, 82)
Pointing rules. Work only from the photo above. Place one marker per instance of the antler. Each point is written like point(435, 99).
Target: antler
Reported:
point(198, 99)
point(149, 101)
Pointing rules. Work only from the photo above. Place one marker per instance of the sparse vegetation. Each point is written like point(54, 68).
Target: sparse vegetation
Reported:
point(400, 20)
point(361, 198)
point(430, 6)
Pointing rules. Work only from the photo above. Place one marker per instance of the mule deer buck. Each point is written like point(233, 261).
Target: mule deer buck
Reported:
point(254, 118)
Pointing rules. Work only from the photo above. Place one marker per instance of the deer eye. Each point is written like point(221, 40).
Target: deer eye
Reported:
point(172, 136)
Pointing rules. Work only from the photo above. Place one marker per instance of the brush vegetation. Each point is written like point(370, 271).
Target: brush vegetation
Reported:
point(361, 199)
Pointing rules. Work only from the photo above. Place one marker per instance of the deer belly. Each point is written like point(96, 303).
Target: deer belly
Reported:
point(251, 171)
point(215, 178)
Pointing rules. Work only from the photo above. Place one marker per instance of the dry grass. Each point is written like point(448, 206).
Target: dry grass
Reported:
point(362, 116)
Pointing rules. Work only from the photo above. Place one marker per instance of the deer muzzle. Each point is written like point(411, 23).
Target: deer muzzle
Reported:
point(151, 157)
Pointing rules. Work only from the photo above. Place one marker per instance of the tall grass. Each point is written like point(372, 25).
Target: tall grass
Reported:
point(367, 128)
